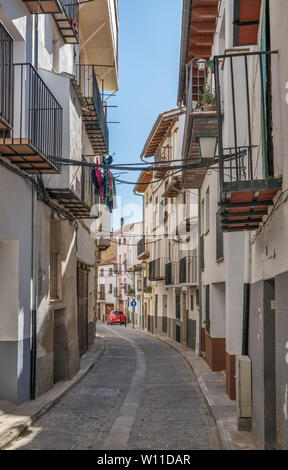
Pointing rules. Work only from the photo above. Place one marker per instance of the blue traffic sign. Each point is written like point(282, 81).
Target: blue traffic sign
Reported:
point(133, 303)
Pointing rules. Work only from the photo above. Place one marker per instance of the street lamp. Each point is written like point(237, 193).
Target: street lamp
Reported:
point(207, 142)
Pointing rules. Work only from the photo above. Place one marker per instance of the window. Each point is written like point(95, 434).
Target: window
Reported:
point(102, 272)
point(110, 288)
point(191, 302)
point(110, 272)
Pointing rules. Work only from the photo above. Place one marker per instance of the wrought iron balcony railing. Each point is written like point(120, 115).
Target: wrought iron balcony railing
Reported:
point(184, 271)
point(93, 114)
point(6, 80)
point(157, 270)
point(35, 141)
point(246, 163)
point(141, 247)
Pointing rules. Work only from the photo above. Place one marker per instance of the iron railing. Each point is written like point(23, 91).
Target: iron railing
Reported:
point(141, 247)
point(71, 8)
point(37, 117)
point(241, 83)
point(184, 271)
point(157, 270)
point(87, 187)
point(169, 280)
point(94, 116)
point(6, 79)
point(196, 84)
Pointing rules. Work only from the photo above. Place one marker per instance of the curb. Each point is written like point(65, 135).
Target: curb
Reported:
point(9, 436)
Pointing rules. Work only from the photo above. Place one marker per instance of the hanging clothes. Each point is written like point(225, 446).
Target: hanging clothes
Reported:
point(97, 180)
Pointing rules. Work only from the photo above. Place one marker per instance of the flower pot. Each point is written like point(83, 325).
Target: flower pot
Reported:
point(210, 107)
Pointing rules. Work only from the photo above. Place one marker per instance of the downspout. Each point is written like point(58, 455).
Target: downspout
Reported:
point(246, 295)
point(199, 275)
point(34, 253)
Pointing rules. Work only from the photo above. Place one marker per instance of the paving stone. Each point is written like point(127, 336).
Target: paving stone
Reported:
point(171, 413)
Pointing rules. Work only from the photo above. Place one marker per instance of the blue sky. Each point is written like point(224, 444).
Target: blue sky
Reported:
point(150, 33)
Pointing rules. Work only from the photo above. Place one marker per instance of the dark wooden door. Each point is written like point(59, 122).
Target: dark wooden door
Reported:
point(82, 297)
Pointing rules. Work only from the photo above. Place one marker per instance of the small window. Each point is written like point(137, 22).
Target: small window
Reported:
point(110, 288)
point(191, 302)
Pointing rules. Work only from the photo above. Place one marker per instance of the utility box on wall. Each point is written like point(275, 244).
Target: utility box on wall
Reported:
point(244, 392)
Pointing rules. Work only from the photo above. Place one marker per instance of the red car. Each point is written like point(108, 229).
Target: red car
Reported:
point(116, 317)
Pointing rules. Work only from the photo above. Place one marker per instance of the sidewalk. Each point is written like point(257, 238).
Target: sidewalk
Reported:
point(14, 419)
point(213, 387)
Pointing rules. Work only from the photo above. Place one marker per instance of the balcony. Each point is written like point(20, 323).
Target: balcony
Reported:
point(188, 270)
point(93, 115)
point(78, 205)
point(248, 184)
point(157, 270)
point(6, 80)
point(169, 274)
point(68, 21)
point(142, 253)
point(35, 140)
point(184, 271)
point(44, 6)
point(173, 187)
point(66, 15)
point(162, 155)
point(201, 117)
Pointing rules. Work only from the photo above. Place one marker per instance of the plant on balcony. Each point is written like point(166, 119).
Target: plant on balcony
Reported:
point(131, 292)
point(148, 290)
point(207, 99)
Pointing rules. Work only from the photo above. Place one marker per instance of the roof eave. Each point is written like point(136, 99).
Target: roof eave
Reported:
point(186, 18)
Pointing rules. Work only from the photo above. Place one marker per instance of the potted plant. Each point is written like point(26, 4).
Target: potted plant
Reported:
point(208, 99)
point(148, 290)
point(131, 292)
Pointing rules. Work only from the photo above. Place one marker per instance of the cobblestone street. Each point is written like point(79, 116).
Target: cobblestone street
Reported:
point(141, 395)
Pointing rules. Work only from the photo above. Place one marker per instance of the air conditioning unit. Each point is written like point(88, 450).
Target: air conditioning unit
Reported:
point(244, 392)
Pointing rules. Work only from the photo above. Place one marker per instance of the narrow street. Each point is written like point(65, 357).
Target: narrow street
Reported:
point(141, 395)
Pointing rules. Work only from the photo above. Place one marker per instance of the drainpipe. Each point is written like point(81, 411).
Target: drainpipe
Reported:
point(34, 255)
point(199, 275)
point(246, 294)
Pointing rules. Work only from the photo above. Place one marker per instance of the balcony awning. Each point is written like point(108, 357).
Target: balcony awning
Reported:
point(43, 6)
point(244, 204)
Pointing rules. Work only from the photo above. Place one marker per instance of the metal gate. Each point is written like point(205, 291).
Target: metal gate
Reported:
point(82, 300)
